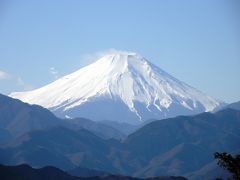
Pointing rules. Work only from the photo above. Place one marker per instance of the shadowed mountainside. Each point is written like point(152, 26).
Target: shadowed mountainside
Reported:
point(235, 106)
point(25, 172)
point(177, 146)
point(18, 118)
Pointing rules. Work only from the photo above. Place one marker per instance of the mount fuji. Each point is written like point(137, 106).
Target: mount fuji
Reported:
point(123, 87)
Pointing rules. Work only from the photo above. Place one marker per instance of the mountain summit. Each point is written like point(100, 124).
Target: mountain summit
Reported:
point(120, 86)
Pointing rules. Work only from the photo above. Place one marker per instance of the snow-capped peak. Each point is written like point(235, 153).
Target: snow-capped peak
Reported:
point(120, 86)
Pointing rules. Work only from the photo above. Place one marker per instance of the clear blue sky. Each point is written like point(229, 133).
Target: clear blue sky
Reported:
point(198, 42)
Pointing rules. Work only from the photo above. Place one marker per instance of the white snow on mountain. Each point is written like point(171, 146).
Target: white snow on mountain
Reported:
point(120, 86)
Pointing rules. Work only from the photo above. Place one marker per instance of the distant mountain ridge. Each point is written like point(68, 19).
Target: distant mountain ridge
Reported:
point(185, 142)
point(18, 118)
point(235, 105)
point(121, 86)
point(25, 172)
point(159, 148)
